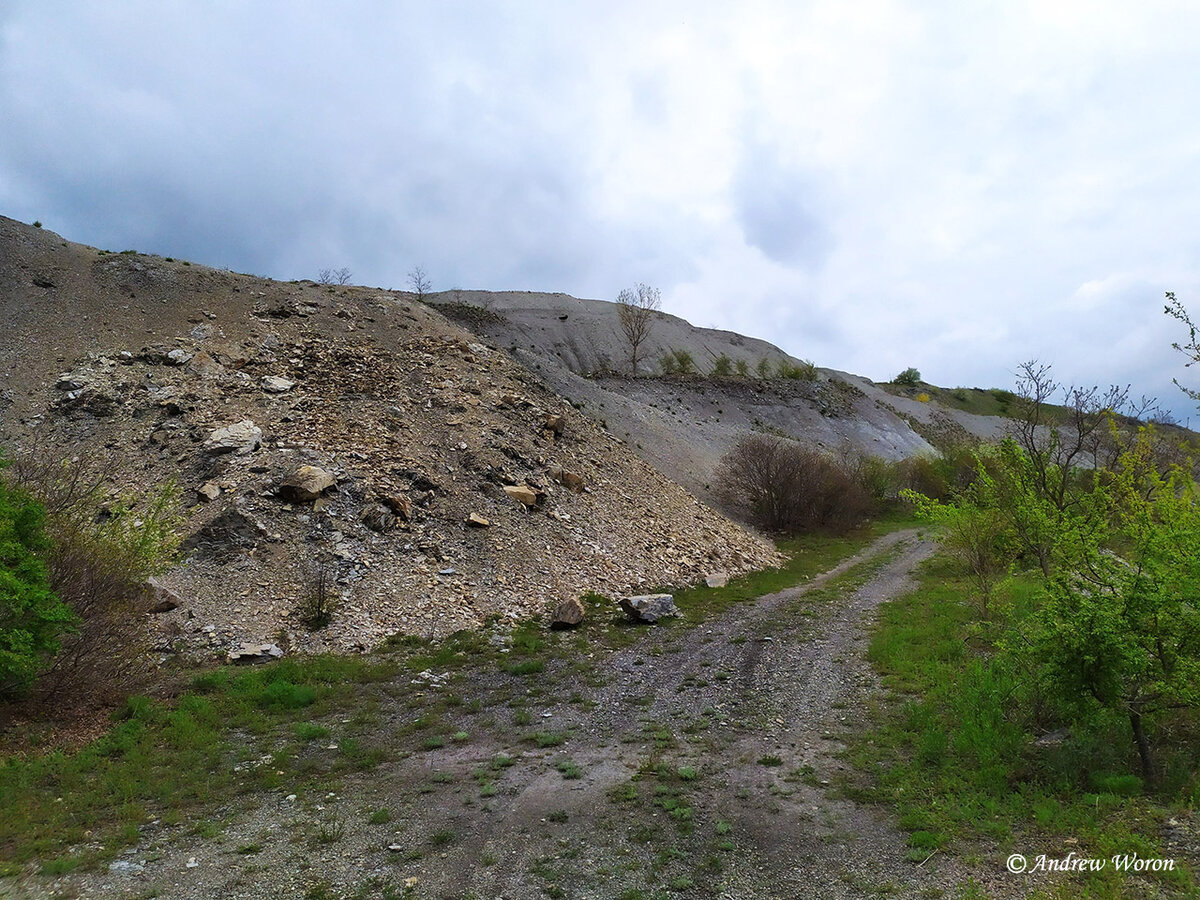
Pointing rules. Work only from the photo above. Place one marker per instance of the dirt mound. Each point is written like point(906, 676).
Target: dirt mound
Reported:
point(464, 489)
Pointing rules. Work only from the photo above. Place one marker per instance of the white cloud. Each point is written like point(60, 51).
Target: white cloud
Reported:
point(873, 185)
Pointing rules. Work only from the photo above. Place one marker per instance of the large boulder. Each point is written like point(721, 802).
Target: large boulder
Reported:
point(305, 484)
point(650, 607)
point(240, 438)
point(568, 614)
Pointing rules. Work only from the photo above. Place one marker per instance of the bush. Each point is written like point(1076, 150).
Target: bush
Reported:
point(32, 618)
point(722, 367)
point(802, 371)
point(100, 551)
point(784, 486)
point(677, 362)
point(763, 368)
point(910, 377)
point(742, 367)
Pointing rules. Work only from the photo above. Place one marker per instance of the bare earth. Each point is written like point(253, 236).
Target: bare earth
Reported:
point(755, 701)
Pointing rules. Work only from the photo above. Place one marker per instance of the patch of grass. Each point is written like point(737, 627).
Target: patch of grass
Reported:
point(309, 731)
point(443, 837)
point(952, 750)
point(379, 816)
point(549, 738)
point(770, 760)
point(569, 769)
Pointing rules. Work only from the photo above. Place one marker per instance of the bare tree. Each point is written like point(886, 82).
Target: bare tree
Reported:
point(1191, 349)
point(325, 276)
point(342, 275)
point(635, 311)
point(419, 281)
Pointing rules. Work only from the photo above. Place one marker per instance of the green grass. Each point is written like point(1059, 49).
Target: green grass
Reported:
point(952, 750)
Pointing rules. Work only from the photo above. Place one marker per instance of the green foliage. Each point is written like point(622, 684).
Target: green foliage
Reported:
point(1115, 626)
point(677, 362)
point(763, 368)
point(32, 618)
point(910, 377)
point(742, 367)
point(722, 367)
point(801, 371)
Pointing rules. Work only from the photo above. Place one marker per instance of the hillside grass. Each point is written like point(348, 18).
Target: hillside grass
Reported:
point(980, 401)
point(952, 756)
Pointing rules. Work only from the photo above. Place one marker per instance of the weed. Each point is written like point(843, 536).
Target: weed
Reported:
point(380, 816)
point(443, 837)
point(770, 760)
point(569, 770)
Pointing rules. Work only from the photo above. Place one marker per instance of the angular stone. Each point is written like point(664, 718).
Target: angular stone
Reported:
point(522, 492)
point(568, 614)
point(274, 384)
point(569, 480)
point(475, 520)
point(208, 491)
point(241, 438)
point(378, 518)
point(251, 654)
point(161, 599)
point(305, 484)
point(399, 504)
point(178, 357)
point(556, 424)
point(650, 607)
point(717, 579)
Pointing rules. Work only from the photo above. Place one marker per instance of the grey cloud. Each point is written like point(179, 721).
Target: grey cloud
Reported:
point(776, 208)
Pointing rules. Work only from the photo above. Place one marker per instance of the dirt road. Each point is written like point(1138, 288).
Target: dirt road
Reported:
point(700, 760)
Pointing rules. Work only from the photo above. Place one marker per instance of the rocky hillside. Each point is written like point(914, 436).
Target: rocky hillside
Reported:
point(444, 484)
point(683, 425)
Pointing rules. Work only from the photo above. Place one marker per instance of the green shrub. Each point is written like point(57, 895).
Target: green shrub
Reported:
point(763, 368)
point(32, 617)
point(742, 367)
point(722, 367)
point(802, 371)
point(677, 362)
point(910, 377)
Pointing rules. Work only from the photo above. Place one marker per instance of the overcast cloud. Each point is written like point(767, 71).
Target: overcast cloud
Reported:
point(871, 185)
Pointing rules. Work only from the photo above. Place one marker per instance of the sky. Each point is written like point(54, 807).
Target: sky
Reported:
point(871, 185)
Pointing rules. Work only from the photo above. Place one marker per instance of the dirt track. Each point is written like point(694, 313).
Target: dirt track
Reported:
point(706, 763)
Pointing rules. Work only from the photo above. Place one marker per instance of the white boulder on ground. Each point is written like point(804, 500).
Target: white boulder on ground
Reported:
point(240, 438)
point(650, 607)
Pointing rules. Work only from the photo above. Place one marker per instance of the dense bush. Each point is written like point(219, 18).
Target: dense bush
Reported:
point(32, 618)
point(99, 551)
point(910, 377)
point(784, 486)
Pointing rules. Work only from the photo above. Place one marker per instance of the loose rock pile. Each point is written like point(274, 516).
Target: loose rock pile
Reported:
point(359, 443)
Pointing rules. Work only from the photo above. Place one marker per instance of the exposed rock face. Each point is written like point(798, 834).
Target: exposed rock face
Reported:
point(306, 484)
point(241, 438)
point(649, 607)
point(569, 613)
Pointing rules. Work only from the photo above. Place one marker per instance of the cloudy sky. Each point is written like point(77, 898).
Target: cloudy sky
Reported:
point(956, 186)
